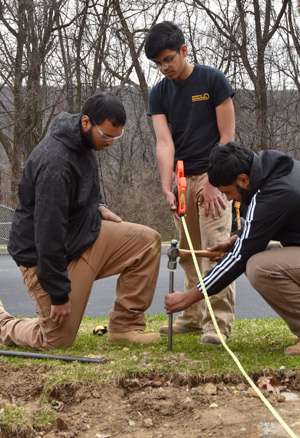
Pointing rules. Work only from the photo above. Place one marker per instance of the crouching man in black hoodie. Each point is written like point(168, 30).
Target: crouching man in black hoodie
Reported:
point(64, 237)
point(269, 182)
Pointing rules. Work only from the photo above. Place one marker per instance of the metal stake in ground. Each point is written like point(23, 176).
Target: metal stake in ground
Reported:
point(172, 264)
point(170, 328)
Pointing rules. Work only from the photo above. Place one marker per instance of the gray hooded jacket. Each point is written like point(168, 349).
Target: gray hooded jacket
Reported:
point(57, 219)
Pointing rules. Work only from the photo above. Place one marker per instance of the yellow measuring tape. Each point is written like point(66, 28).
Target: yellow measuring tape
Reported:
point(258, 392)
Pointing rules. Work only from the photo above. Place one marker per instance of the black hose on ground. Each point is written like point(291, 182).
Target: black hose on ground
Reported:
point(52, 356)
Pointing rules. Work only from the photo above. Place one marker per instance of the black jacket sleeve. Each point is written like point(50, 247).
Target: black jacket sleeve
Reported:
point(267, 214)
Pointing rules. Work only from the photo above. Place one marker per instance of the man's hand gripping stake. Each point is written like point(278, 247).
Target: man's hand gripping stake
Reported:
point(173, 250)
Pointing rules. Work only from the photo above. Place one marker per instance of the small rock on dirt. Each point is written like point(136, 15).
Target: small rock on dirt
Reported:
point(148, 422)
point(210, 389)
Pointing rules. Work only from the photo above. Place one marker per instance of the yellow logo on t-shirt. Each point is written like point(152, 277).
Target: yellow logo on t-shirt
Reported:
point(198, 97)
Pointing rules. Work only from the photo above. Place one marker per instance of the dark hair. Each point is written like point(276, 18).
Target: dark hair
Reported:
point(104, 106)
point(161, 36)
point(228, 161)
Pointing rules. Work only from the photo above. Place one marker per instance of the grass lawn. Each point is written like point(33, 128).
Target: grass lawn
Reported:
point(258, 344)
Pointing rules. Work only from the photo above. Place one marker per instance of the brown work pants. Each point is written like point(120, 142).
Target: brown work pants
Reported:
point(275, 275)
point(205, 232)
point(131, 250)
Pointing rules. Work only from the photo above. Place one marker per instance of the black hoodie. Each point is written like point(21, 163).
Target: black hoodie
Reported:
point(56, 218)
point(273, 214)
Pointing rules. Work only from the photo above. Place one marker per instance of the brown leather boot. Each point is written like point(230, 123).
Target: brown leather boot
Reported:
point(134, 337)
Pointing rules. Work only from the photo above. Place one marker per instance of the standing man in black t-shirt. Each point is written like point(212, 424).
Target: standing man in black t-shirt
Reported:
point(192, 110)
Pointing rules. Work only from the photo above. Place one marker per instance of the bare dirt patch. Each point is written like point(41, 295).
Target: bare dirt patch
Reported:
point(154, 407)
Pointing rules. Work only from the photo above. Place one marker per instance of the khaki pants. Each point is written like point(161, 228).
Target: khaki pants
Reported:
point(205, 232)
point(131, 250)
point(275, 275)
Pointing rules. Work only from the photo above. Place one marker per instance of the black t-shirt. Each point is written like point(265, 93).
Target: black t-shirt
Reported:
point(190, 110)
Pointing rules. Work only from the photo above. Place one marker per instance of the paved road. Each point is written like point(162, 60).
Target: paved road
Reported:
point(17, 301)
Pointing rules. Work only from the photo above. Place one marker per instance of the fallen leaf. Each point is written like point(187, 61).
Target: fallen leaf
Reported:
point(270, 384)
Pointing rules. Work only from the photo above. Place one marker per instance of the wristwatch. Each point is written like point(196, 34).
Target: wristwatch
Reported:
point(102, 204)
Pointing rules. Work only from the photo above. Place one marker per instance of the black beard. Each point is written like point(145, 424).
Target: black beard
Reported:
point(245, 194)
point(87, 138)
